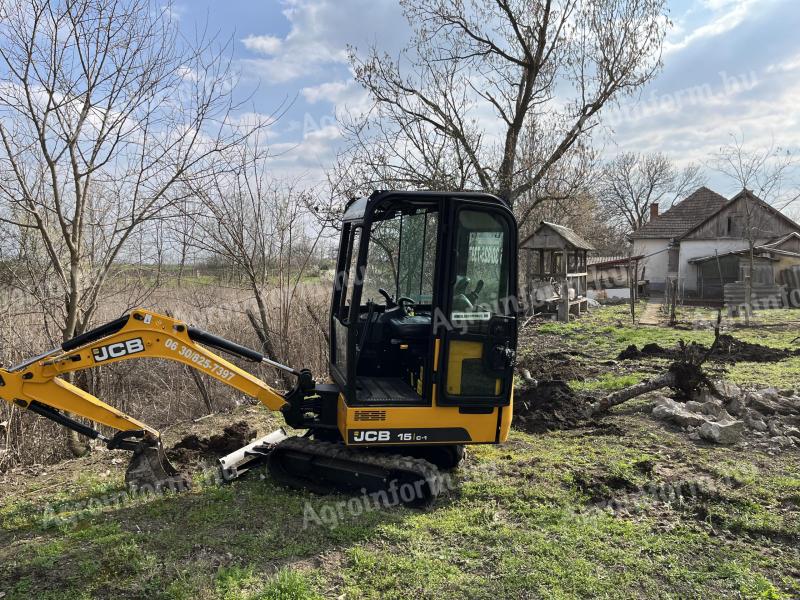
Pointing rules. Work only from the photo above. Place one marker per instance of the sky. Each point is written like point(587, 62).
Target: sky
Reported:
point(731, 67)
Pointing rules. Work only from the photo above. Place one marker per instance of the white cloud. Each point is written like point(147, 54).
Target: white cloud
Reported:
point(729, 14)
point(263, 44)
point(790, 64)
point(320, 31)
point(330, 91)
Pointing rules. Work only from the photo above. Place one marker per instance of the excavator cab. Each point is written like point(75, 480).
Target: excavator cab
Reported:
point(423, 320)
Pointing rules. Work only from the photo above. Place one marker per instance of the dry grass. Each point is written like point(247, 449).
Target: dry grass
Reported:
point(159, 392)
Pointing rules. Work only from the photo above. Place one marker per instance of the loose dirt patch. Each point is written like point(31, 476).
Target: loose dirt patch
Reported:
point(729, 349)
point(549, 406)
point(193, 447)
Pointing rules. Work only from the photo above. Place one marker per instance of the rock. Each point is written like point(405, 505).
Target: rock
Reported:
point(782, 441)
point(769, 402)
point(723, 432)
point(668, 410)
point(754, 420)
point(714, 408)
point(693, 406)
point(786, 393)
point(770, 393)
point(737, 405)
point(792, 432)
point(727, 389)
point(701, 395)
point(695, 435)
point(775, 427)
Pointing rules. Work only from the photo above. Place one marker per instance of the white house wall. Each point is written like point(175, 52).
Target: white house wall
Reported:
point(697, 248)
point(655, 260)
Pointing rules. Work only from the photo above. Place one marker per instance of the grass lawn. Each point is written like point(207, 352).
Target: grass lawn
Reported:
point(622, 508)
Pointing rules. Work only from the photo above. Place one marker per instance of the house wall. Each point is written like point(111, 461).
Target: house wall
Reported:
point(690, 249)
point(785, 262)
point(654, 262)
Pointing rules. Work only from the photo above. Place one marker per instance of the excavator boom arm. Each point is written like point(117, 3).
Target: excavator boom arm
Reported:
point(140, 334)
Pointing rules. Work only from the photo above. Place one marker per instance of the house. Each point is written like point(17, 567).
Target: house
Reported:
point(693, 240)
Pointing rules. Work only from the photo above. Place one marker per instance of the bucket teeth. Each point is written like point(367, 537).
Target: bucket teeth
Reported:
point(151, 471)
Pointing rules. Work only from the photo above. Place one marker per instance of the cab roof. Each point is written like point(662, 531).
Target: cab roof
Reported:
point(358, 208)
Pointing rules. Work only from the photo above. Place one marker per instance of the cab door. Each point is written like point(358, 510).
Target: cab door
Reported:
point(478, 324)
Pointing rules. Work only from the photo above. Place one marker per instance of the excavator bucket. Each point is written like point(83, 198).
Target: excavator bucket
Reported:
point(151, 471)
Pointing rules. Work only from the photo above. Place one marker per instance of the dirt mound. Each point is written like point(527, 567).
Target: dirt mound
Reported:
point(233, 437)
point(549, 406)
point(729, 349)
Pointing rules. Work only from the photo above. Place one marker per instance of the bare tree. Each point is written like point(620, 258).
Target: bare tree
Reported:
point(104, 108)
point(768, 172)
point(482, 76)
point(261, 228)
point(630, 183)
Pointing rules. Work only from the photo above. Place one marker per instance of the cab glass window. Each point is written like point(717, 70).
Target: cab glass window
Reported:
point(482, 266)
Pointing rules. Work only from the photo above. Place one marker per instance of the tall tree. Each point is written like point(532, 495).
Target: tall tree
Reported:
point(483, 79)
point(104, 109)
point(630, 183)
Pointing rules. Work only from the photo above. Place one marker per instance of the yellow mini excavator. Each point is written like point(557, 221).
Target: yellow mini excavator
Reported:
point(422, 346)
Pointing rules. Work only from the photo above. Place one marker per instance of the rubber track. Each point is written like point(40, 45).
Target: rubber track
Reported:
point(418, 468)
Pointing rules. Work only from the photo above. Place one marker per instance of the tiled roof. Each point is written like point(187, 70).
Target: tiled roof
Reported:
point(682, 217)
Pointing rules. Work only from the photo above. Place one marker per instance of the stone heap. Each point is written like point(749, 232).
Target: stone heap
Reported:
point(769, 417)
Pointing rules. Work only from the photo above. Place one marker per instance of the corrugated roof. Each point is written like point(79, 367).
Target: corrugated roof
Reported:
point(682, 217)
point(565, 232)
point(611, 259)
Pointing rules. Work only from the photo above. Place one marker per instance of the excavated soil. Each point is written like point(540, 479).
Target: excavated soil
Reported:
point(549, 406)
point(193, 447)
point(729, 349)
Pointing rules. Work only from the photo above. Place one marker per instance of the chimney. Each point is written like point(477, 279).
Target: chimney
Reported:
point(653, 210)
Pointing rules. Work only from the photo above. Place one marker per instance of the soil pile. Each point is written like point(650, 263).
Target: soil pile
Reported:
point(729, 349)
point(232, 438)
point(549, 406)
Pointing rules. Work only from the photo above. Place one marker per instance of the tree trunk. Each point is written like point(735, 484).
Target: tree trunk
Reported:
point(666, 380)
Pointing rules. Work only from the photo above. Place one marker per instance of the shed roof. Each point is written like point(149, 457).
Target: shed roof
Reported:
point(568, 235)
point(609, 261)
point(682, 217)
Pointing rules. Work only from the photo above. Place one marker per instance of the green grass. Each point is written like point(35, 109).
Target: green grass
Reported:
point(563, 515)
point(633, 510)
point(608, 382)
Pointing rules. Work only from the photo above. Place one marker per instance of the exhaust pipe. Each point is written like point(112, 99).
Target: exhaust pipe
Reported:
point(242, 460)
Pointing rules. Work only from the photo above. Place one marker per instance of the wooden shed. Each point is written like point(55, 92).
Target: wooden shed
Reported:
point(555, 270)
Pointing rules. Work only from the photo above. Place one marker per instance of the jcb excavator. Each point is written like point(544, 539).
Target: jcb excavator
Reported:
point(422, 347)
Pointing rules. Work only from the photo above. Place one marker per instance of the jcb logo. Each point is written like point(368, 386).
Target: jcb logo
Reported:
point(371, 436)
point(103, 353)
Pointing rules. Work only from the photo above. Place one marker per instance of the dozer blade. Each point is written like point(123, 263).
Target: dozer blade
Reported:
point(151, 471)
point(255, 453)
